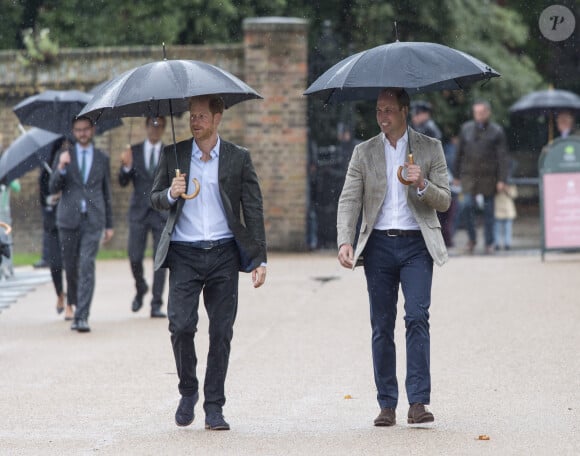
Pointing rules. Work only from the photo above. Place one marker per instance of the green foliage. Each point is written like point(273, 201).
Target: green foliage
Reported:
point(39, 48)
point(10, 24)
point(505, 37)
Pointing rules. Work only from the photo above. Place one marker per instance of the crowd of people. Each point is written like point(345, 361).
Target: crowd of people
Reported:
point(480, 172)
point(204, 242)
point(207, 224)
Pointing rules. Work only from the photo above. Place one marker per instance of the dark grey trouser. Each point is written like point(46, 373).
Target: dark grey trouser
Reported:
point(215, 273)
point(136, 249)
point(79, 252)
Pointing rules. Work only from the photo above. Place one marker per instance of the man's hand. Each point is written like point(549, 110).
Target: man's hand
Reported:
point(127, 157)
point(63, 160)
point(346, 256)
point(178, 186)
point(415, 175)
point(259, 276)
point(108, 235)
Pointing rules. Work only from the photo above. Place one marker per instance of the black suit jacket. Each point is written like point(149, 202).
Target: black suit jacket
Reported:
point(239, 191)
point(96, 192)
point(140, 206)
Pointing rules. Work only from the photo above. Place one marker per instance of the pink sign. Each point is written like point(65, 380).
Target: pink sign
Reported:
point(562, 210)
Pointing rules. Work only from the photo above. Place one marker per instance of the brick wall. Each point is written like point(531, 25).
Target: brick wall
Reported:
point(272, 59)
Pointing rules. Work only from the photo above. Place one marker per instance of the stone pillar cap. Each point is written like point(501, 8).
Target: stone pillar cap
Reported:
point(273, 22)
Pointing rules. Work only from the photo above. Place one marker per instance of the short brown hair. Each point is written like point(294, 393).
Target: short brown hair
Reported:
point(400, 94)
point(216, 103)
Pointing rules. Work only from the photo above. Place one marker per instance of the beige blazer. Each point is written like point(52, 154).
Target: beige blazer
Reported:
point(365, 189)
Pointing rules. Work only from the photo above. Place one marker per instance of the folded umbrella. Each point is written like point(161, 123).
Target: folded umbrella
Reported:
point(27, 152)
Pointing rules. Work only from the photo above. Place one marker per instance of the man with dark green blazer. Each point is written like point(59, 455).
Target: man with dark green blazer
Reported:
point(206, 241)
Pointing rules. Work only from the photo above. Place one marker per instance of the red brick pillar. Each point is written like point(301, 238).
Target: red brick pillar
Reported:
point(276, 131)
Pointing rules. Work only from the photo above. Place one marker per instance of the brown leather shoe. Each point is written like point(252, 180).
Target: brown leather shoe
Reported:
point(387, 417)
point(418, 414)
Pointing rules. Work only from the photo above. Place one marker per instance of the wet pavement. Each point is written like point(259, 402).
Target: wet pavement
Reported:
point(505, 337)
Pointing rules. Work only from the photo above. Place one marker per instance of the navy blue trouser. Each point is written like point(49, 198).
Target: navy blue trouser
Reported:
point(388, 262)
point(215, 273)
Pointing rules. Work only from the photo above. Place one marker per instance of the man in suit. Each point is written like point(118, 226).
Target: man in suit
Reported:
point(400, 238)
point(138, 164)
point(83, 213)
point(481, 167)
point(204, 244)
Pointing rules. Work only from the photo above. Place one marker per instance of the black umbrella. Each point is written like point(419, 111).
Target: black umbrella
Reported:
point(546, 102)
point(54, 110)
point(414, 66)
point(163, 89)
point(28, 151)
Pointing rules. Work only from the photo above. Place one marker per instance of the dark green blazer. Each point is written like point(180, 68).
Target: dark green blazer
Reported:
point(240, 194)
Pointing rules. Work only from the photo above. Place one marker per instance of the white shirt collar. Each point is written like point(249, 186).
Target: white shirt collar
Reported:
point(150, 146)
point(214, 153)
point(403, 140)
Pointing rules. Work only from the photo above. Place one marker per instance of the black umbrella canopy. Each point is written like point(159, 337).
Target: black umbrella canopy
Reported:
point(51, 110)
point(546, 101)
point(27, 152)
point(163, 88)
point(414, 66)
point(54, 110)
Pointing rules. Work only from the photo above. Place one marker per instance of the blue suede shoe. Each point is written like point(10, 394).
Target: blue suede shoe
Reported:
point(184, 414)
point(214, 421)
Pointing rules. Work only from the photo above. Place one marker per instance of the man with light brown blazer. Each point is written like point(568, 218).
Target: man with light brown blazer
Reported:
point(399, 239)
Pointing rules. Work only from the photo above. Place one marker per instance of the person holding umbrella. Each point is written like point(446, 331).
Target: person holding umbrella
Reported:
point(204, 244)
point(83, 213)
point(138, 163)
point(400, 238)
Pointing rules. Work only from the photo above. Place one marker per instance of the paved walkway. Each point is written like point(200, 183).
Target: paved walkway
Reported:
point(505, 338)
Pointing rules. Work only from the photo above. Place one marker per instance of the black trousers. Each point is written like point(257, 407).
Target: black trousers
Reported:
point(136, 249)
point(213, 272)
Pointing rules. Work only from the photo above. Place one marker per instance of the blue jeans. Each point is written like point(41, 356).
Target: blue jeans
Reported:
point(488, 218)
point(388, 262)
point(503, 229)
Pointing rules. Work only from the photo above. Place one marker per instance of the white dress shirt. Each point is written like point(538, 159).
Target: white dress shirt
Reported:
point(395, 213)
point(203, 218)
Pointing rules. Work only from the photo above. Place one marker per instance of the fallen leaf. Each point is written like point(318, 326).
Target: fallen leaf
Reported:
point(348, 396)
point(483, 437)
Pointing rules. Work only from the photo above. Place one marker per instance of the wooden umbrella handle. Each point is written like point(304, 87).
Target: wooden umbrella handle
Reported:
point(195, 182)
point(400, 172)
point(7, 227)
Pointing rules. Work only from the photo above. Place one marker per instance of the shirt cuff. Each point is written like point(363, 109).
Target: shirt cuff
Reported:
point(126, 169)
point(170, 198)
point(422, 192)
point(263, 264)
